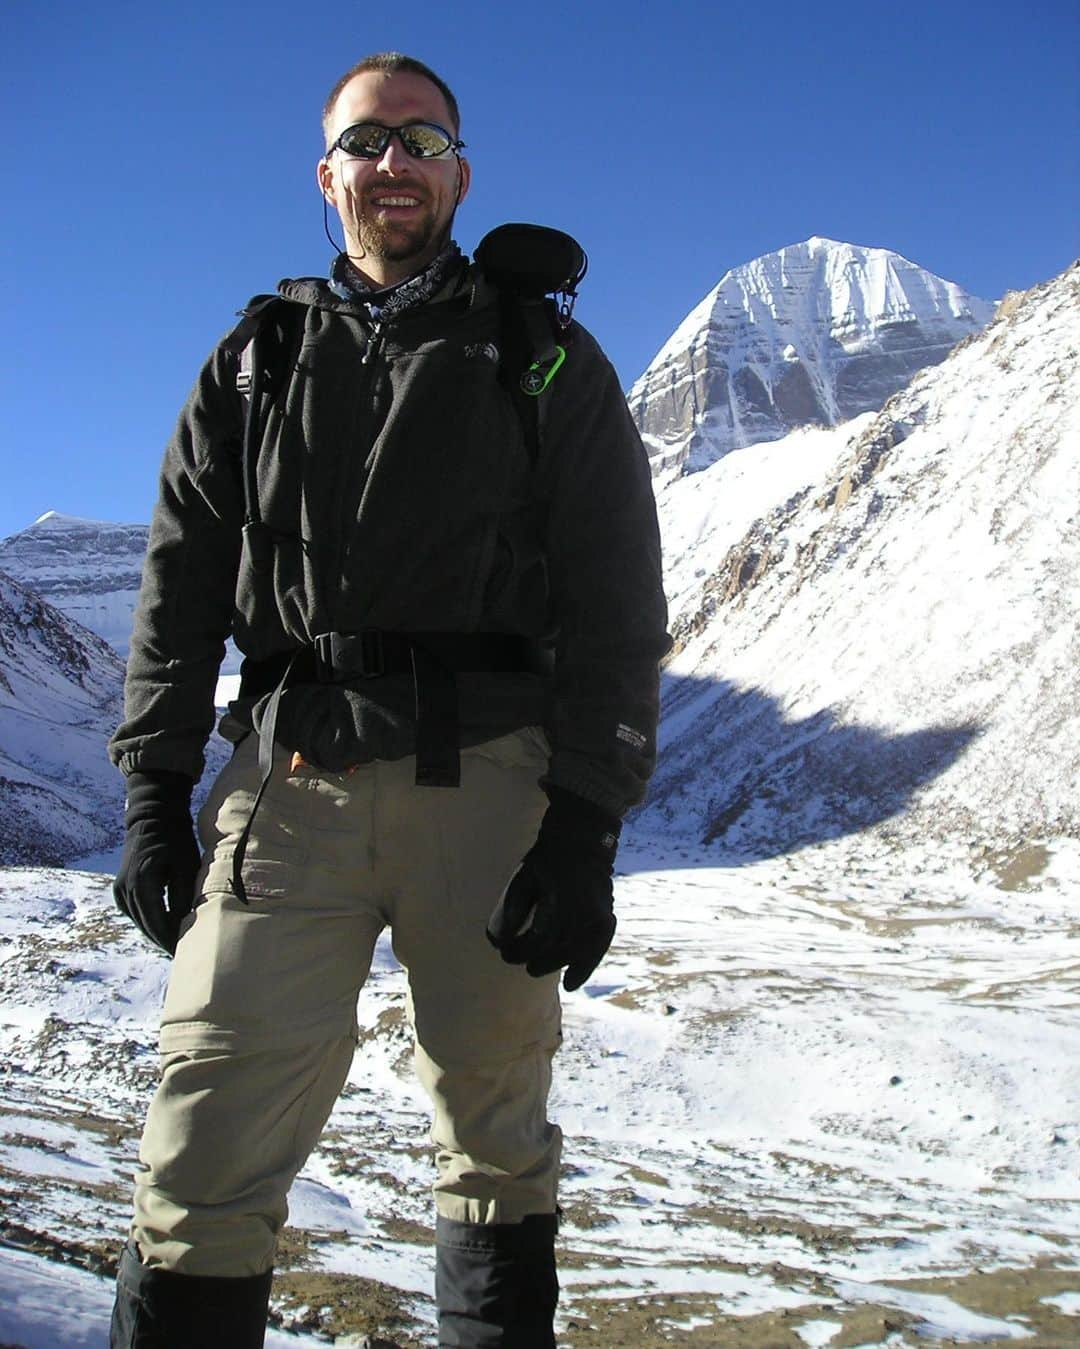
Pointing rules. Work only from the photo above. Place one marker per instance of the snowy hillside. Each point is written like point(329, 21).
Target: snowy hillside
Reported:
point(815, 333)
point(60, 699)
point(89, 569)
point(899, 630)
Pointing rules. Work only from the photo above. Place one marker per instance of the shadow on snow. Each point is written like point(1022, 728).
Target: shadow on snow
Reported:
point(735, 773)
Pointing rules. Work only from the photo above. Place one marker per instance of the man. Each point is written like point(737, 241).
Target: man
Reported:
point(451, 629)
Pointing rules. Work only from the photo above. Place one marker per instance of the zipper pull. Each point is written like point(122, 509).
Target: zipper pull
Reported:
point(374, 341)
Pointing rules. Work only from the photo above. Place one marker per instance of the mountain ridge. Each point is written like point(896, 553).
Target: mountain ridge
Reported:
point(88, 569)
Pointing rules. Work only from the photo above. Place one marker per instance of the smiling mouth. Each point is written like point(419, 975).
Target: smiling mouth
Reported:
point(396, 200)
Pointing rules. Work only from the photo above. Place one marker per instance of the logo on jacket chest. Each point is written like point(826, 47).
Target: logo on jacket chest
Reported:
point(486, 351)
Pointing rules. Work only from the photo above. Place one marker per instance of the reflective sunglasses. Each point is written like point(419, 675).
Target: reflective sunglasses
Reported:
point(420, 140)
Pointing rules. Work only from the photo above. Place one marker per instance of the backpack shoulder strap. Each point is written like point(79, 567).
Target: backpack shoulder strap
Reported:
point(264, 318)
point(261, 342)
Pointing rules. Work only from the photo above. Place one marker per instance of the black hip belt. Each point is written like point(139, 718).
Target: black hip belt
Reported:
point(432, 659)
point(342, 657)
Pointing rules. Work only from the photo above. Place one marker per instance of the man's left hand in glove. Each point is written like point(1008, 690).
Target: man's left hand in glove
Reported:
point(559, 908)
point(155, 885)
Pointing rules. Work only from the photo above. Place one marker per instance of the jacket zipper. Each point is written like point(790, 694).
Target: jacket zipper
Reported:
point(350, 499)
point(374, 342)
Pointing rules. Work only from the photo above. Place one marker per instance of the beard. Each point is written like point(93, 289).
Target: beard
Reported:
point(397, 241)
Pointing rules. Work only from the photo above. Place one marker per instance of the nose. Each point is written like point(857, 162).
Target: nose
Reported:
point(394, 158)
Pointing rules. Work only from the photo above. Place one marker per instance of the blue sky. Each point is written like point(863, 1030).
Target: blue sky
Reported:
point(158, 163)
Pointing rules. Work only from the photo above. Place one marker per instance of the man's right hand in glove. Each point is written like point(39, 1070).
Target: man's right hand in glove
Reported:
point(155, 885)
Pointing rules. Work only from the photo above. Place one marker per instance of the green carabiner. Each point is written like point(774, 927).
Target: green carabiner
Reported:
point(536, 379)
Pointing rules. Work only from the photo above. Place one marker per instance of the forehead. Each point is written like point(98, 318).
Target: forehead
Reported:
point(393, 98)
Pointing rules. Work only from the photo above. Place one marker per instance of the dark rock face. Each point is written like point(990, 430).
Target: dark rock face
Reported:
point(816, 333)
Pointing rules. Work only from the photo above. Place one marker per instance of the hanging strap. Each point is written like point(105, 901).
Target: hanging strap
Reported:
point(266, 768)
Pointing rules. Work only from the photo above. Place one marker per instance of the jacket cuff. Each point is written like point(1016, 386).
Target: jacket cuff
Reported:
point(588, 782)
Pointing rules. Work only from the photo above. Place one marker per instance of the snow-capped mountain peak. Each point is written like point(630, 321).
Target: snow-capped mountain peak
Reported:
point(812, 334)
point(57, 520)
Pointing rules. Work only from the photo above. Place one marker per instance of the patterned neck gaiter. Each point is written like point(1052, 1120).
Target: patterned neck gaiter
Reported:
point(346, 282)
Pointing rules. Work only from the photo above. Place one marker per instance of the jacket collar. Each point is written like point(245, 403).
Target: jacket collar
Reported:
point(446, 277)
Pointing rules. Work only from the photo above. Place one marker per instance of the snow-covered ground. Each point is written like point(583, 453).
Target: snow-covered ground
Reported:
point(46, 1305)
point(811, 1096)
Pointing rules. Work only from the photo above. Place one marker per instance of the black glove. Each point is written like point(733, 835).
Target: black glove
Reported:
point(559, 908)
point(160, 855)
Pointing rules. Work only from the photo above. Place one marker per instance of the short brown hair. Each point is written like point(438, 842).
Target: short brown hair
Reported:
point(391, 63)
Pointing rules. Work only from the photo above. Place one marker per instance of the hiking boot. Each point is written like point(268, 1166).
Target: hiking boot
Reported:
point(495, 1283)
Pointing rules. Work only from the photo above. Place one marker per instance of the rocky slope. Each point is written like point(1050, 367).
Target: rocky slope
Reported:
point(897, 634)
point(60, 698)
point(815, 333)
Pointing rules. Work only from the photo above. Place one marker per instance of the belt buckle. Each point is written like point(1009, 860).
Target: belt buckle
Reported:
point(349, 655)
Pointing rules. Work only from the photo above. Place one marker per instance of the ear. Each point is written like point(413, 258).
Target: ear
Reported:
point(465, 179)
point(324, 176)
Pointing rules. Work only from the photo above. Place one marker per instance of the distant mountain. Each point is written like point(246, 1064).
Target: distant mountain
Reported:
point(89, 569)
point(815, 333)
point(60, 699)
point(878, 622)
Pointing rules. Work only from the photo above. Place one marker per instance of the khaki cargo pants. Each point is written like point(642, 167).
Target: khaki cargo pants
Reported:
point(259, 1025)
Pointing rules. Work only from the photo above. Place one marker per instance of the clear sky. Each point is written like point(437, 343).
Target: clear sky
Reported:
point(158, 161)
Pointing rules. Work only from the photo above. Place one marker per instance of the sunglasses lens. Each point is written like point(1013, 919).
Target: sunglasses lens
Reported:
point(365, 140)
point(368, 140)
point(424, 141)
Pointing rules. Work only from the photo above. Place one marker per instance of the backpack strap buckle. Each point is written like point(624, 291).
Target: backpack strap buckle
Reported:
point(349, 655)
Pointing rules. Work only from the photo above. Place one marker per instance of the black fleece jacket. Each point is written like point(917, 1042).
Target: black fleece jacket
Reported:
point(395, 480)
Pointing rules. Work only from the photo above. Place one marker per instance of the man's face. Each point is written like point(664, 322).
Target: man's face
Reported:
point(395, 210)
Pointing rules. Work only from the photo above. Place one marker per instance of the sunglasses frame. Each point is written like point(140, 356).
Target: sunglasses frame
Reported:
point(452, 145)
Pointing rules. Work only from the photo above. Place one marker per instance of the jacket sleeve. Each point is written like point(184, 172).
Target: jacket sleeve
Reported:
point(185, 606)
point(603, 552)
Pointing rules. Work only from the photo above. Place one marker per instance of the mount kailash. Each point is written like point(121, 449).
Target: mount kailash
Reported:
point(815, 333)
